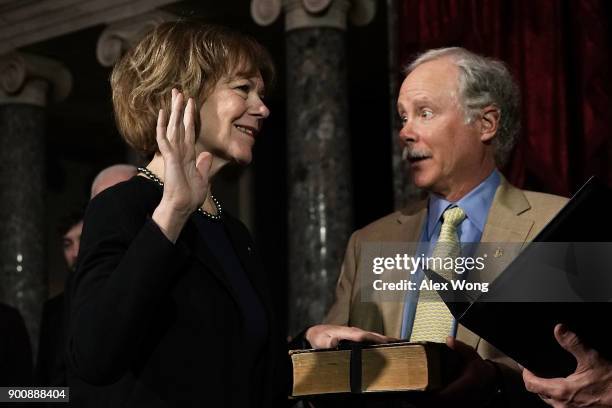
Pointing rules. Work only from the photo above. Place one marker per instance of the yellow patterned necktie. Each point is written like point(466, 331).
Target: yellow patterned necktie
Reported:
point(432, 319)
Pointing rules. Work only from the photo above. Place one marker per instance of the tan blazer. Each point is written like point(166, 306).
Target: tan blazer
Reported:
point(515, 216)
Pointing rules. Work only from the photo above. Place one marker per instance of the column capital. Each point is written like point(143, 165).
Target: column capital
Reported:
point(32, 79)
point(314, 13)
point(119, 36)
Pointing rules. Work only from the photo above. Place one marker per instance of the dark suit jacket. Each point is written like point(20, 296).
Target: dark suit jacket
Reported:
point(15, 349)
point(50, 370)
point(156, 324)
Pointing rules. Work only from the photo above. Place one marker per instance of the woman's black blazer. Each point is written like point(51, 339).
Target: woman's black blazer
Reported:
point(156, 324)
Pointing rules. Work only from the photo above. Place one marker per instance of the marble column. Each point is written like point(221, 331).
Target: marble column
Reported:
point(404, 191)
point(318, 140)
point(27, 83)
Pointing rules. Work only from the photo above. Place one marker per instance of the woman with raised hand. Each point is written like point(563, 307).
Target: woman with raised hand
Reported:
point(169, 305)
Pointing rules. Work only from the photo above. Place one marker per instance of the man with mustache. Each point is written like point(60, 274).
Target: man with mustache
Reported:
point(460, 118)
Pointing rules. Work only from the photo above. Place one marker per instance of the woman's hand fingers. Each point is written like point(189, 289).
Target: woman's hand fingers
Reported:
point(179, 129)
point(162, 140)
point(189, 122)
point(175, 130)
point(170, 128)
point(186, 177)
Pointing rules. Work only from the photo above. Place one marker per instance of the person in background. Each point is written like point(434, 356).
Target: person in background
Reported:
point(110, 176)
point(50, 366)
point(70, 229)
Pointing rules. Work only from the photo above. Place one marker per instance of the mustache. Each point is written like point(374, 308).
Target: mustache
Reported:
point(412, 153)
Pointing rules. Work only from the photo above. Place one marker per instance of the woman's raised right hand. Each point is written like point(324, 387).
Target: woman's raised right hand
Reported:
point(186, 177)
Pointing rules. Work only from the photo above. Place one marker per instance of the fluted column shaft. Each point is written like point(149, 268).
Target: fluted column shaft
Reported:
point(320, 188)
point(22, 210)
point(318, 140)
point(26, 84)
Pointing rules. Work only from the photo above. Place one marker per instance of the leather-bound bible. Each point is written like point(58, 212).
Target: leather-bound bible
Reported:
point(359, 368)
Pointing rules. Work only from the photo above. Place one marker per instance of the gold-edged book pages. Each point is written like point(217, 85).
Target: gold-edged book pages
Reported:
point(389, 367)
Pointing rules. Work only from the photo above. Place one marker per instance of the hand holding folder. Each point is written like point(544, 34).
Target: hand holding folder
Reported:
point(590, 384)
point(544, 287)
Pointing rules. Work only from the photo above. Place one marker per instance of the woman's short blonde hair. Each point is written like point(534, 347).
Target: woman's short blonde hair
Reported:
point(186, 55)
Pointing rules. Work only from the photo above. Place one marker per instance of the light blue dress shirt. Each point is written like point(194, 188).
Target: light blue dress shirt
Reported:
point(476, 205)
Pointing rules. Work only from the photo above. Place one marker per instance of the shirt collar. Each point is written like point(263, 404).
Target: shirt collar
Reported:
point(476, 204)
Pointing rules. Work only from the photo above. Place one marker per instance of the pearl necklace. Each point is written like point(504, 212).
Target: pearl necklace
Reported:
point(215, 217)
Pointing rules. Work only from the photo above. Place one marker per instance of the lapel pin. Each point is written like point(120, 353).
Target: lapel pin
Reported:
point(498, 253)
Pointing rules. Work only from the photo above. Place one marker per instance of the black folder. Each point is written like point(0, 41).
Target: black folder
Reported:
point(519, 323)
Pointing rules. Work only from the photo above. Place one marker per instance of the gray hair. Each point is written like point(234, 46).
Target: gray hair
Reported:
point(483, 82)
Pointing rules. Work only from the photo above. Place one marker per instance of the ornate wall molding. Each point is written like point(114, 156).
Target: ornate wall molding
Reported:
point(314, 13)
point(121, 35)
point(265, 12)
point(31, 79)
point(27, 22)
